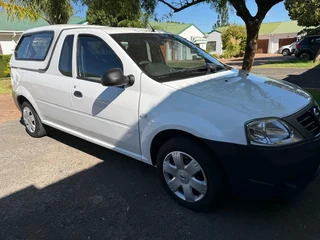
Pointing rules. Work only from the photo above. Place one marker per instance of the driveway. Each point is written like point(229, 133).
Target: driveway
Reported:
point(260, 59)
point(61, 187)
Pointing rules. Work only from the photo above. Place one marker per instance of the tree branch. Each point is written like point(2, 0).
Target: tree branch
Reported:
point(182, 5)
point(241, 9)
point(264, 7)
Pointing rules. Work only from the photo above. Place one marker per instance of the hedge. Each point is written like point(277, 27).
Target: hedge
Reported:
point(4, 66)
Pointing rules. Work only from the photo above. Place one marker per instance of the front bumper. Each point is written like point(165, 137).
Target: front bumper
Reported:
point(261, 172)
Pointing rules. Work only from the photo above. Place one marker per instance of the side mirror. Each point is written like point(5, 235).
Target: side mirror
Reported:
point(115, 77)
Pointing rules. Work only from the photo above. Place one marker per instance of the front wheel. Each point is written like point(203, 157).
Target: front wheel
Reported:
point(190, 174)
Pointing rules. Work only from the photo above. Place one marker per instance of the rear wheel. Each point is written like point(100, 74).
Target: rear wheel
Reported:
point(32, 121)
point(190, 174)
point(286, 52)
point(305, 56)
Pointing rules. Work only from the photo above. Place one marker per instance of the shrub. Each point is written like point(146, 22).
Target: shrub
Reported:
point(5, 66)
point(215, 55)
point(234, 41)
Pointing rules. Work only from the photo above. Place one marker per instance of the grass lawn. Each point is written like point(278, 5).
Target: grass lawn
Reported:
point(290, 64)
point(5, 86)
point(315, 93)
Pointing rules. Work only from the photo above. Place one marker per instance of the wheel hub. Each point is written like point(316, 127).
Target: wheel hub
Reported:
point(184, 176)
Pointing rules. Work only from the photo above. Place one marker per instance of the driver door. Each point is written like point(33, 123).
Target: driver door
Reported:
point(106, 115)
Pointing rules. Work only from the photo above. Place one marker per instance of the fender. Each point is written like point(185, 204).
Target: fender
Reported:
point(22, 91)
point(195, 125)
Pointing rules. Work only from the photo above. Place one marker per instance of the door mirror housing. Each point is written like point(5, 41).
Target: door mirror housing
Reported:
point(115, 77)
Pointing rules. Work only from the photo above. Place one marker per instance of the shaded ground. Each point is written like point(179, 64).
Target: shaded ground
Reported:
point(303, 77)
point(66, 188)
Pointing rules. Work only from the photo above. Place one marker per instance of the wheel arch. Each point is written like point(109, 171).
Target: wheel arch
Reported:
point(163, 136)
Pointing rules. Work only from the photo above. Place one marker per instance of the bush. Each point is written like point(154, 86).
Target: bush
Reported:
point(234, 41)
point(215, 55)
point(5, 66)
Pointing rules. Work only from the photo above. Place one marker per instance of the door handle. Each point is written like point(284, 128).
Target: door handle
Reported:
point(78, 94)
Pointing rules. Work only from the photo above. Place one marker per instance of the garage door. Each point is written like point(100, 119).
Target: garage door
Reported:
point(263, 46)
point(285, 41)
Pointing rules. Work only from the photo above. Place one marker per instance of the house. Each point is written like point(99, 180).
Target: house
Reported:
point(274, 35)
point(214, 42)
point(11, 30)
point(188, 31)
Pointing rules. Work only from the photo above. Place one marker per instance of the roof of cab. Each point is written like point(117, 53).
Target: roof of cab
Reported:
point(109, 30)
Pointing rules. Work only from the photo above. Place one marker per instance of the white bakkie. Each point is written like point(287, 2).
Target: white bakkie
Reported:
point(160, 99)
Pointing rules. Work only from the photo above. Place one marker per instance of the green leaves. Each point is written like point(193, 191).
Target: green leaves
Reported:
point(112, 13)
point(53, 11)
point(307, 12)
point(234, 41)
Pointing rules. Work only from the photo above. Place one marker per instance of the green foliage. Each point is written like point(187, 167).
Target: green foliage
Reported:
point(307, 12)
point(126, 13)
point(215, 55)
point(234, 41)
point(4, 66)
point(52, 11)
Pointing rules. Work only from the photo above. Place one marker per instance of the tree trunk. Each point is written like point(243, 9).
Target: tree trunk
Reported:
point(252, 44)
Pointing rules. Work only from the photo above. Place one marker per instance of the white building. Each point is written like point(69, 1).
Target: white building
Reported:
point(214, 44)
point(274, 35)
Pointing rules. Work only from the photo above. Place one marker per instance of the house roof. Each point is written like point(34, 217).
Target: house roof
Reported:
point(275, 28)
point(172, 27)
point(14, 25)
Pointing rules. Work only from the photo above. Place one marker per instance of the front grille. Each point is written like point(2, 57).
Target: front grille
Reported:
point(310, 121)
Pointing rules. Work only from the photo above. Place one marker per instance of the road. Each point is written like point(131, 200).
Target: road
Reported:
point(61, 187)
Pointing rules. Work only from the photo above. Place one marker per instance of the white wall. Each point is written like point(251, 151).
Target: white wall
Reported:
point(216, 36)
point(192, 31)
point(274, 40)
point(8, 42)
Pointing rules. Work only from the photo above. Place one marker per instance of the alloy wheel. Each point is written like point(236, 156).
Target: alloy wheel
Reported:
point(29, 120)
point(184, 176)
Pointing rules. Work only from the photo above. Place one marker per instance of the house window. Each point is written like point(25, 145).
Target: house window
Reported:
point(212, 46)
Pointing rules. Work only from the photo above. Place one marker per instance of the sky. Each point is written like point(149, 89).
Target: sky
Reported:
point(204, 17)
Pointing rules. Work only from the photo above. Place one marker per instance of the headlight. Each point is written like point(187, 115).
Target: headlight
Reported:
point(271, 132)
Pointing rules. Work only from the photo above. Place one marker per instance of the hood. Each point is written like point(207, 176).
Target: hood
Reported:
point(248, 93)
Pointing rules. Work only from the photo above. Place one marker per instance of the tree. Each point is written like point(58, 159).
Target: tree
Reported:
point(125, 13)
point(52, 11)
point(223, 16)
point(307, 13)
point(234, 41)
point(253, 23)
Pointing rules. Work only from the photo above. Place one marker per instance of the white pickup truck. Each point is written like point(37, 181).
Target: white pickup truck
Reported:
point(207, 127)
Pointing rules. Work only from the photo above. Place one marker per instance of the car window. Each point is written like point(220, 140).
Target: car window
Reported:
point(65, 62)
point(34, 47)
point(95, 57)
point(317, 40)
point(166, 57)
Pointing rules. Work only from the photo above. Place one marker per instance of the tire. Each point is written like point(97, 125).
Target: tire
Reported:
point(206, 174)
point(286, 52)
point(31, 121)
point(304, 56)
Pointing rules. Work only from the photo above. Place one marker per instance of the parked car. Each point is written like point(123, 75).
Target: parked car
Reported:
point(287, 50)
point(308, 47)
point(207, 127)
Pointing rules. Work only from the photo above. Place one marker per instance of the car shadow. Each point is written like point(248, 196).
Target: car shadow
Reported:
point(121, 198)
point(308, 79)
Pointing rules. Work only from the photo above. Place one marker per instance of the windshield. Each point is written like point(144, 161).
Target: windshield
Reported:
point(166, 57)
